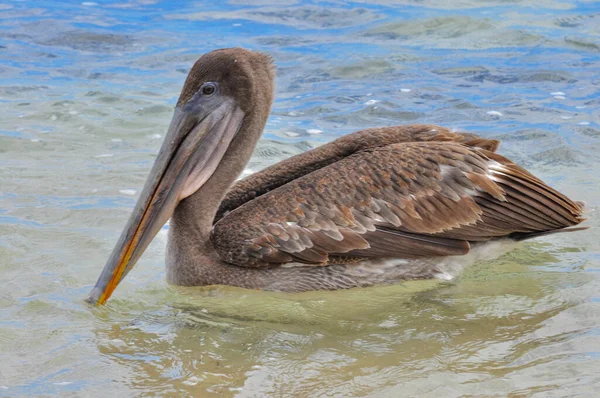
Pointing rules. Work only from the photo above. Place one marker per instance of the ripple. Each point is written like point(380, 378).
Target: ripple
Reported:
point(302, 17)
point(77, 82)
point(453, 32)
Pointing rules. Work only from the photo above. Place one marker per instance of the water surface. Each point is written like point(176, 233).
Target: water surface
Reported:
point(86, 94)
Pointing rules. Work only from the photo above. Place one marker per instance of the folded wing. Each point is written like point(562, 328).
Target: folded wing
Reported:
point(403, 200)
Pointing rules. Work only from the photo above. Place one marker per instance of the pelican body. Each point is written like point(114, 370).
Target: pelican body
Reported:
point(374, 207)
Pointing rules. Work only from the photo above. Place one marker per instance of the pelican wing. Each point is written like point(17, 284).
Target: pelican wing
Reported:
point(297, 166)
point(403, 200)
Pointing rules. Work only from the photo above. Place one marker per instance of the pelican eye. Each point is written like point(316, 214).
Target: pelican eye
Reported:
point(208, 88)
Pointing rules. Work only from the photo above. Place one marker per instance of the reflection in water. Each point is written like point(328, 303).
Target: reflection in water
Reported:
point(494, 323)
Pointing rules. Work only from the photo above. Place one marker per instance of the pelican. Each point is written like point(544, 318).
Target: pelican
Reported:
point(374, 207)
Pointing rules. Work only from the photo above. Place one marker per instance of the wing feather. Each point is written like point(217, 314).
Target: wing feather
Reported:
point(405, 200)
point(287, 170)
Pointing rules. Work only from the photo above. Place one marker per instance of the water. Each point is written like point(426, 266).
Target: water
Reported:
point(86, 93)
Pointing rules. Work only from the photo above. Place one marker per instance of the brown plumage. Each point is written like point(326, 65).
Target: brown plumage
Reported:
point(402, 192)
point(330, 218)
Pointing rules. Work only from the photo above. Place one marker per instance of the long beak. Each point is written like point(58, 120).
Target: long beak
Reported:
point(192, 150)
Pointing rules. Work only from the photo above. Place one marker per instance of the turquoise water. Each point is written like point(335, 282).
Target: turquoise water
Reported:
point(86, 94)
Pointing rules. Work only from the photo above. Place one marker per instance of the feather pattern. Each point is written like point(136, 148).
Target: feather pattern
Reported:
point(383, 193)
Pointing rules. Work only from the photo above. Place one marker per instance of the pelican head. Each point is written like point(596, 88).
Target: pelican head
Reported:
point(223, 107)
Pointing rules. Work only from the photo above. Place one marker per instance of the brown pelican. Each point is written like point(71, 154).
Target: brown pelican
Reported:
point(373, 207)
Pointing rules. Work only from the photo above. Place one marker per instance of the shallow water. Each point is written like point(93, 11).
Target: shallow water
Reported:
point(86, 93)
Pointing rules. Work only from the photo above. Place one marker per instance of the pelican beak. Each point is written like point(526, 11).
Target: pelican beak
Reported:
point(195, 143)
